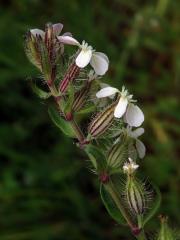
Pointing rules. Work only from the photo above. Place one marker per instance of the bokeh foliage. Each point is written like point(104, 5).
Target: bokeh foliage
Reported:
point(47, 190)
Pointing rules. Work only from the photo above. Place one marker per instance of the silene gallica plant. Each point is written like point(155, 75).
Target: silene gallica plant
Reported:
point(105, 121)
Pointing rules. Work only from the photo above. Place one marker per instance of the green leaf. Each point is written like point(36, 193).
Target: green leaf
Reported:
point(39, 92)
point(110, 206)
point(155, 205)
point(96, 156)
point(65, 126)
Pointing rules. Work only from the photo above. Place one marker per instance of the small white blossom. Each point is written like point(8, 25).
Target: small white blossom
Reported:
point(125, 107)
point(130, 167)
point(99, 61)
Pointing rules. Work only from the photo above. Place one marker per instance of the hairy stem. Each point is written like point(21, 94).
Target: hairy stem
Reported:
point(110, 188)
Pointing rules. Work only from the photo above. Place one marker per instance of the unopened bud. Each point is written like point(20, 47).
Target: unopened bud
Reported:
point(43, 50)
point(70, 75)
point(102, 121)
point(117, 155)
point(135, 195)
point(80, 98)
point(32, 50)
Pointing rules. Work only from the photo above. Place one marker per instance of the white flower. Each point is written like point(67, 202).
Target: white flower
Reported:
point(99, 61)
point(131, 112)
point(140, 147)
point(130, 167)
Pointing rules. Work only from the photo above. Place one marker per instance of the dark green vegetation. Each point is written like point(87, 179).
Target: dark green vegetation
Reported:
point(46, 188)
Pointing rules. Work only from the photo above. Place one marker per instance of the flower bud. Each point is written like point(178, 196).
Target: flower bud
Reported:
point(32, 50)
point(80, 97)
point(117, 155)
point(135, 195)
point(43, 49)
point(165, 232)
point(102, 121)
point(70, 75)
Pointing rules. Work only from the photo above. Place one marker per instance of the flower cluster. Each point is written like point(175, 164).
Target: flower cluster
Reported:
point(111, 137)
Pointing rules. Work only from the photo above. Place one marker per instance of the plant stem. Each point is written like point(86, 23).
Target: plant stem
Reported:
point(77, 130)
point(110, 188)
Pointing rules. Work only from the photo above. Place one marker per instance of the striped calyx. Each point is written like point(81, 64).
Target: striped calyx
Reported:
point(70, 75)
point(32, 50)
point(117, 155)
point(80, 98)
point(135, 195)
point(102, 121)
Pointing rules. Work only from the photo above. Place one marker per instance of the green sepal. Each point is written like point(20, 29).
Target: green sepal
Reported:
point(65, 126)
point(110, 205)
point(39, 92)
point(155, 205)
point(97, 157)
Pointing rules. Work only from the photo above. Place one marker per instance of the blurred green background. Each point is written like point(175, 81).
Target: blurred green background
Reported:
point(46, 189)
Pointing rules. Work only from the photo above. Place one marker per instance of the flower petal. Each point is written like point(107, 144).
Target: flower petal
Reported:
point(121, 107)
point(106, 92)
point(136, 133)
point(103, 85)
point(68, 40)
point(84, 58)
point(35, 32)
point(134, 116)
point(100, 63)
point(103, 56)
point(57, 28)
point(141, 149)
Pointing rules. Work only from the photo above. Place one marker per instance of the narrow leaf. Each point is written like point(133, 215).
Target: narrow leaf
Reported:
point(96, 156)
point(111, 207)
point(65, 126)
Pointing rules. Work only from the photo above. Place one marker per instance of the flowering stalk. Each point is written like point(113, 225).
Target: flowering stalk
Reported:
point(110, 136)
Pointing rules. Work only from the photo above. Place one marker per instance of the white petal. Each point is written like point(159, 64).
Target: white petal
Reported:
point(134, 116)
point(103, 85)
point(84, 58)
point(121, 107)
point(136, 133)
point(141, 149)
point(106, 92)
point(68, 40)
point(57, 28)
point(103, 56)
point(100, 63)
point(35, 32)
